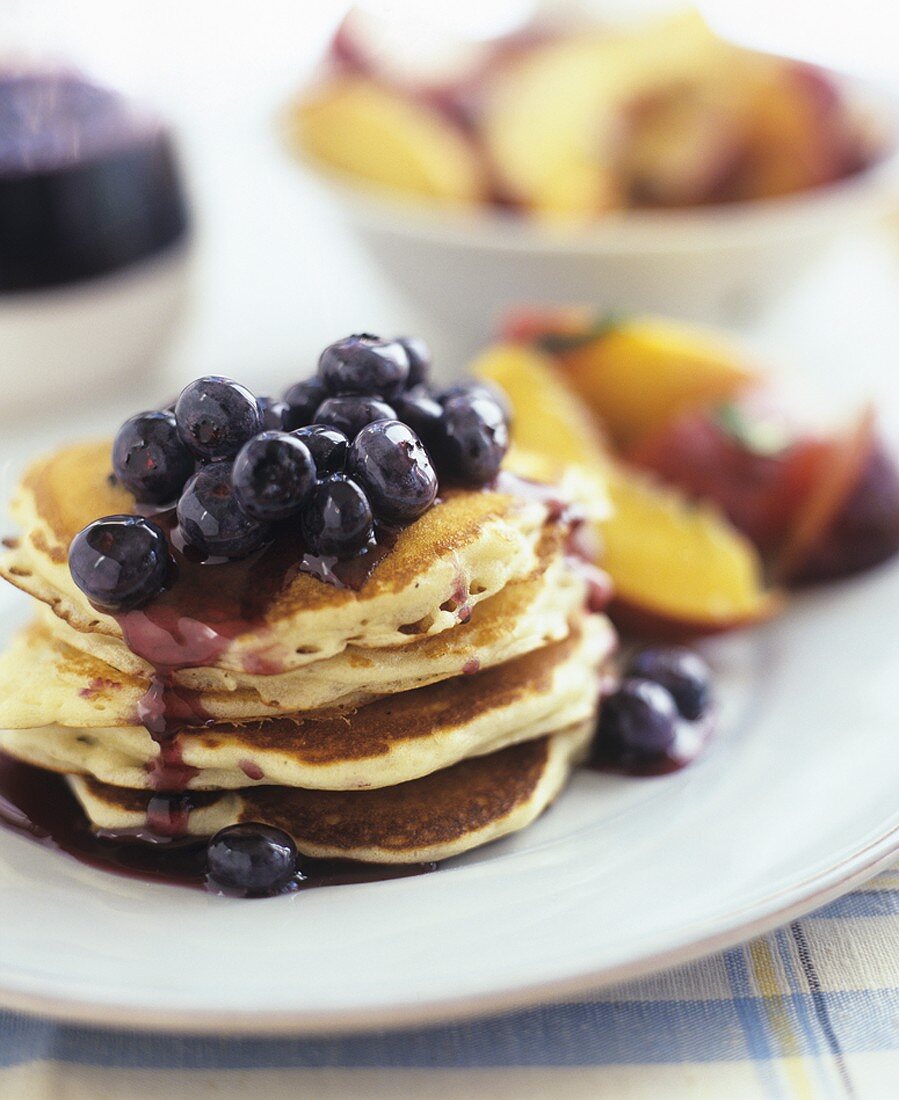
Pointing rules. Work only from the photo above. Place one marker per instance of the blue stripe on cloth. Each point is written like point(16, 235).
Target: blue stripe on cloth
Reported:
point(803, 1016)
point(863, 903)
point(753, 1019)
point(820, 1002)
point(604, 1033)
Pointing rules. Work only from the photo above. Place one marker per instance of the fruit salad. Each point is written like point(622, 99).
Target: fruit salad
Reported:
point(570, 119)
point(722, 501)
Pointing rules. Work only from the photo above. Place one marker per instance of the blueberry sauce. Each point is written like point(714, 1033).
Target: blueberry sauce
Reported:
point(192, 623)
point(38, 804)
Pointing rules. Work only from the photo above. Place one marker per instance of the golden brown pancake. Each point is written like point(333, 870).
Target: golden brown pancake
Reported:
point(45, 682)
point(461, 551)
point(432, 818)
point(552, 592)
point(392, 740)
point(436, 704)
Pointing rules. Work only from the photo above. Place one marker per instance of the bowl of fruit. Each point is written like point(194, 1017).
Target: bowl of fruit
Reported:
point(653, 167)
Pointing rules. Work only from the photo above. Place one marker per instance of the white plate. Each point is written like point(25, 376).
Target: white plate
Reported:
point(794, 803)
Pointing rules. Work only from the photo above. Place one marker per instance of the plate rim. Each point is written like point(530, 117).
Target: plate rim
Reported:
point(788, 903)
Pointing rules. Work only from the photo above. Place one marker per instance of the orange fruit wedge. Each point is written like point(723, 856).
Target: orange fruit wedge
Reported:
point(679, 569)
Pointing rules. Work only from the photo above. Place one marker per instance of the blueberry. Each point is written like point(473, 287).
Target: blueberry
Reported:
point(684, 673)
point(474, 388)
point(302, 399)
point(390, 463)
point(422, 412)
point(328, 447)
point(272, 475)
point(121, 562)
point(211, 520)
point(336, 521)
point(640, 718)
point(473, 439)
point(273, 412)
point(419, 356)
point(350, 414)
point(216, 417)
point(251, 859)
point(150, 459)
point(364, 364)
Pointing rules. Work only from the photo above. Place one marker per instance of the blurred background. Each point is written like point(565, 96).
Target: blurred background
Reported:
point(271, 270)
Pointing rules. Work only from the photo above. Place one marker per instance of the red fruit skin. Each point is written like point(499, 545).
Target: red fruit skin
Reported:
point(527, 325)
point(760, 493)
point(864, 530)
point(648, 625)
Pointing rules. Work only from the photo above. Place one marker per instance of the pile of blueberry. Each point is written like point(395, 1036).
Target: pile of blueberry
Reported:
point(365, 441)
point(661, 687)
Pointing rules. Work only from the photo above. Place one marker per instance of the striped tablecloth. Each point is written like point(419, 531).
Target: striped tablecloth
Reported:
point(810, 1011)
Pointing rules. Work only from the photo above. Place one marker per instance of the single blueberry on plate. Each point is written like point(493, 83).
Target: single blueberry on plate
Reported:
point(121, 562)
point(328, 447)
point(390, 463)
point(683, 672)
point(364, 364)
point(216, 416)
point(273, 412)
point(251, 859)
point(302, 399)
point(272, 475)
point(336, 521)
point(350, 413)
point(422, 412)
point(211, 520)
point(639, 719)
point(150, 459)
point(473, 439)
point(419, 356)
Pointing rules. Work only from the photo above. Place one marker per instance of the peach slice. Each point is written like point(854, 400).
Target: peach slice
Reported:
point(636, 374)
point(360, 128)
point(849, 521)
point(549, 418)
point(800, 133)
point(554, 116)
point(755, 468)
point(679, 569)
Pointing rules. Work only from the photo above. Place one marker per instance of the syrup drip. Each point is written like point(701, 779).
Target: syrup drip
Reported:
point(210, 604)
point(191, 625)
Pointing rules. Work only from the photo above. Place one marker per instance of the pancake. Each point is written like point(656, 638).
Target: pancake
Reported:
point(434, 698)
point(551, 590)
point(433, 818)
point(392, 740)
point(44, 682)
point(462, 551)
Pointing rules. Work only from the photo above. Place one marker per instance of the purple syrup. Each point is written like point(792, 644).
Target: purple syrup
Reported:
point(251, 770)
point(351, 572)
point(193, 623)
point(559, 509)
point(38, 804)
point(168, 772)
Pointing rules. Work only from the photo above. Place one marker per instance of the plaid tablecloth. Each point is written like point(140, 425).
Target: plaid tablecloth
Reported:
point(810, 1011)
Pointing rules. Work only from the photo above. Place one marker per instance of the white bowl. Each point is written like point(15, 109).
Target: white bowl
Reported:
point(462, 268)
point(64, 345)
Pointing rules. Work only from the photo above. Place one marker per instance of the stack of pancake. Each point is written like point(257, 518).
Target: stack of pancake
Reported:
point(434, 708)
